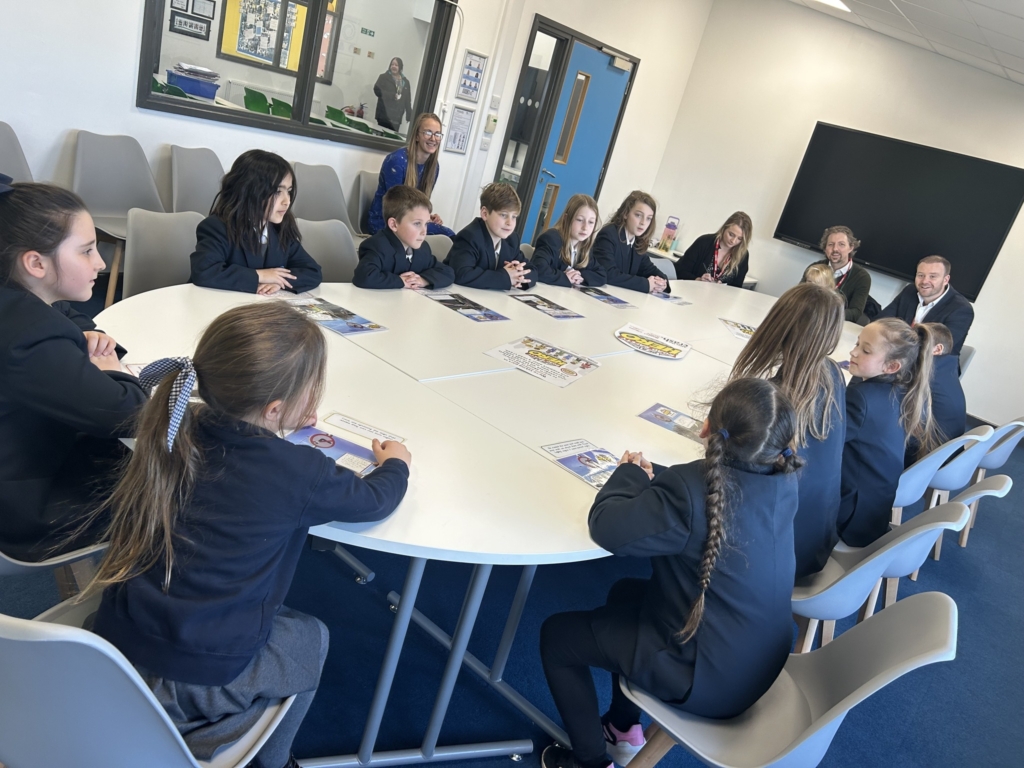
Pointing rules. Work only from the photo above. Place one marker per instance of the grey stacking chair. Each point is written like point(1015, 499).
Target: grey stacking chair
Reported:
point(68, 697)
point(320, 196)
point(440, 245)
point(158, 249)
point(367, 188)
point(665, 265)
point(195, 179)
point(1002, 443)
point(527, 250)
point(852, 578)
point(113, 176)
point(966, 356)
point(11, 567)
point(956, 473)
point(331, 245)
point(12, 158)
point(793, 724)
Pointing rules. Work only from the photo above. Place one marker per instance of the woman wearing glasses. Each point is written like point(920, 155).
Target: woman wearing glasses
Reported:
point(424, 142)
point(394, 96)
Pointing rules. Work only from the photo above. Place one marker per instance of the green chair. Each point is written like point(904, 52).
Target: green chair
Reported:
point(280, 108)
point(317, 121)
point(157, 87)
point(256, 101)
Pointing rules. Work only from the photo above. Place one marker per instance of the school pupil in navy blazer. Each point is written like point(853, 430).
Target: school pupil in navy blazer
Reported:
point(564, 254)
point(486, 254)
point(64, 400)
point(949, 406)
point(885, 403)
point(398, 256)
point(932, 299)
point(791, 346)
point(621, 246)
point(250, 241)
point(720, 528)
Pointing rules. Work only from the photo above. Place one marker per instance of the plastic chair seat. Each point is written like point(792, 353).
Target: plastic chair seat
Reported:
point(440, 245)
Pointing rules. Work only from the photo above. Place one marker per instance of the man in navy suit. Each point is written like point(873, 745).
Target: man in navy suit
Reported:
point(932, 299)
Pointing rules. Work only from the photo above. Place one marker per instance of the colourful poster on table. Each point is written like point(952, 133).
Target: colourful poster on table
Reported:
point(676, 421)
point(333, 317)
point(465, 307)
point(604, 297)
point(591, 464)
point(741, 331)
point(545, 361)
point(546, 306)
point(651, 343)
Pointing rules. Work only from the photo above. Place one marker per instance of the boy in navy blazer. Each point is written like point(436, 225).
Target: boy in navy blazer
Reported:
point(397, 256)
point(486, 253)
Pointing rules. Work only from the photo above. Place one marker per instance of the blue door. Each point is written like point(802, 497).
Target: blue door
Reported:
point(581, 132)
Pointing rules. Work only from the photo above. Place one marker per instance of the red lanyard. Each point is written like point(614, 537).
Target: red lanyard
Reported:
point(715, 273)
point(842, 279)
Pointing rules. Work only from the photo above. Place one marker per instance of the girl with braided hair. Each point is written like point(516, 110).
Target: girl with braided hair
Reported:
point(711, 629)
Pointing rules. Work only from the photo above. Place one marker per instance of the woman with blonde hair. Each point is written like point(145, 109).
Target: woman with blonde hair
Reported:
point(792, 347)
point(820, 274)
point(422, 147)
point(721, 257)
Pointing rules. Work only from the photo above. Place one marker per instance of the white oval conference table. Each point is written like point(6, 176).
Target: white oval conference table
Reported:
point(482, 490)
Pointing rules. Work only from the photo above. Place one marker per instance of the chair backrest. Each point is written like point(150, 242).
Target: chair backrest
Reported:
point(12, 158)
point(11, 567)
point(332, 247)
point(68, 697)
point(1003, 441)
point(320, 195)
point(195, 179)
point(112, 175)
point(368, 181)
point(966, 355)
point(157, 249)
point(997, 485)
point(439, 246)
point(527, 250)
point(667, 266)
point(845, 582)
point(916, 478)
point(256, 101)
point(956, 473)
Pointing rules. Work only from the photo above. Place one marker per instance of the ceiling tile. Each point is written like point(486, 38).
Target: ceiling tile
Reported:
point(954, 8)
point(997, 20)
point(882, 5)
point(870, 12)
point(981, 50)
point(1017, 77)
point(919, 15)
point(1010, 61)
point(1001, 42)
point(967, 58)
point(836, 13)
point(898, 33)
point(1014, 7)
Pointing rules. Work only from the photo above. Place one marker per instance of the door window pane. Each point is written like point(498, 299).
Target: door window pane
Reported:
point(572, 117)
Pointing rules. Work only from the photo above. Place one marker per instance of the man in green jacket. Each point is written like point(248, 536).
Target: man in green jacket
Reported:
point(852, 280)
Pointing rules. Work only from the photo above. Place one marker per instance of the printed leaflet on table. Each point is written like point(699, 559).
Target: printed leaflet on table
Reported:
point(546, 306)
point(345, 453)
point(333, 317)
point(462, 305)
point(677, 300)
point(651, 343)
point(585, 460)
point(677, 421)
point(741, 331)
point(540, 359)
point(605, 298)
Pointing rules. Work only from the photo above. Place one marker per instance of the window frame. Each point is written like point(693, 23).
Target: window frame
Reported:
point(434, 54)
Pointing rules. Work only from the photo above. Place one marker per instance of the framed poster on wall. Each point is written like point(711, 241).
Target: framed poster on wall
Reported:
point(472, 76)
point(457, 136)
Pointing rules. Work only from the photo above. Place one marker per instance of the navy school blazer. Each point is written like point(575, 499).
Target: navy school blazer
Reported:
point(700, 258)
point(472, 258)
point(237, 546)
point(949, 406)
point(219, 263)
point(622, 264)
point(872, 459)
point(550, 268)
point(952, 310)
point(51, 397)
point(744, 639)
point(382, 260)
point(814, 530)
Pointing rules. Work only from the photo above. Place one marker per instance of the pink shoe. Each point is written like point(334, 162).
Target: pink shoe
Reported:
point(623, 745)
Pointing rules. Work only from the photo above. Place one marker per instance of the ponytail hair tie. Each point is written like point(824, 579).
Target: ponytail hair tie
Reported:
point(724, 433)
point(181, 389)
point(787, 452)
point(5, 184)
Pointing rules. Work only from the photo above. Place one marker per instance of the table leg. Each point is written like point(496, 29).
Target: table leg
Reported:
point(515, 615)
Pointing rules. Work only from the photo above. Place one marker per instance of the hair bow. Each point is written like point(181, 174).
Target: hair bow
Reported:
point(181, 389)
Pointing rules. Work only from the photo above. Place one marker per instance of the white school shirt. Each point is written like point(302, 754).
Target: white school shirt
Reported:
point(408, 253)
point(923, 309)
point(837, 273)
point(572, 256)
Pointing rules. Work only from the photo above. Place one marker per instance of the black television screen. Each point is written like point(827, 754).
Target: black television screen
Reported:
point(903, 202)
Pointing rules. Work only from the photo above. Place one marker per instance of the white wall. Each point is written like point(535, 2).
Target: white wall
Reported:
point(765, 72)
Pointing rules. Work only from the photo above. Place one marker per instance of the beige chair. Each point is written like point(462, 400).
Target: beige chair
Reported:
point(320, 197)
point(113, 176)
point(158, 249)
point(527, 250)
point(12, 157)
point(439, 246)
point(195, 179)
point(332, 247)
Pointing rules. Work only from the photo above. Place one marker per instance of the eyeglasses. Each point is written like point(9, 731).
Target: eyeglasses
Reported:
point(431, 134)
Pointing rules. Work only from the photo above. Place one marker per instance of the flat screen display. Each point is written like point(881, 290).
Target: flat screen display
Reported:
point(903, 202)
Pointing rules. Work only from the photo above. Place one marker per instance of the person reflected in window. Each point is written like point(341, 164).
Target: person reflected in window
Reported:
point(424, 142)
point(394, 96)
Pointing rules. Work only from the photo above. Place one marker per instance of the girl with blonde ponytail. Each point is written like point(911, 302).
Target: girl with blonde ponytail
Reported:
point(712, 628)
point(209, 519)
point(888, 404)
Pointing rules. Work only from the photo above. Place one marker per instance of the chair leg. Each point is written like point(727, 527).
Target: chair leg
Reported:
point(868, 609)
point(937, 549)
point(914, 575)
point(967, 528)
point(658, 744)
point(805, 640)
point(828, 632)
point(897, 515)
point(115, 269)
point(891, 587)
point(67, 585)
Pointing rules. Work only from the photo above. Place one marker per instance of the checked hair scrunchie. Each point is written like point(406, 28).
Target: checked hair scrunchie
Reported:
point(181, 389)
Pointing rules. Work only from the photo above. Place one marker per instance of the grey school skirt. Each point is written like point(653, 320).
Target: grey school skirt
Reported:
point(208, 717)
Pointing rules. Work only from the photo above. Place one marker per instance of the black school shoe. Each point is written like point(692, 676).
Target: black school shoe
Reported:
point(292, 763)
point(557, 756)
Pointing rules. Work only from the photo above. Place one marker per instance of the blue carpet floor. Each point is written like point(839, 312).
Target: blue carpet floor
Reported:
point(966, 713)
